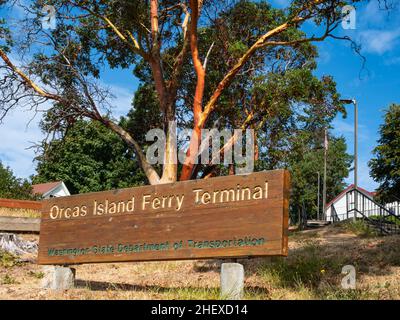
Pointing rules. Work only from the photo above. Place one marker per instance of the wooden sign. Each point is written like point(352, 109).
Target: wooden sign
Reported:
point(233, 216)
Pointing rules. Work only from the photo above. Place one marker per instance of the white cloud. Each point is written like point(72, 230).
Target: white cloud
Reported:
point(20, 128)
point(342, 127)
point(366, 143)
point(392, 61)
point(379, 41)
point(345, 127)
point(372, 14)
point(364, 180)
point(324, 56)
point(16, 136)
point(122, 101)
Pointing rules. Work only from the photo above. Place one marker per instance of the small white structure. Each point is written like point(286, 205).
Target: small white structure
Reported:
point(362, 202)
point(51, 189)
point(393, 207)
point(343, 203)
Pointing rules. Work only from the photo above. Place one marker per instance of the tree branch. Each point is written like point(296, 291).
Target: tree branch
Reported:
point(224, 83)
point(208, 53)
point(150, 172)
point(200, 72)
point(95, 115)
point(28, 82)
point(134, 45)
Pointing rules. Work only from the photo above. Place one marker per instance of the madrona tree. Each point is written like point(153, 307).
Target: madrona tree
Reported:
point(203, 60)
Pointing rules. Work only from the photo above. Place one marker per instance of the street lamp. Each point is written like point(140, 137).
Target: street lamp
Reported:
point(324, 184)
point(318, 195)
point(354, 102)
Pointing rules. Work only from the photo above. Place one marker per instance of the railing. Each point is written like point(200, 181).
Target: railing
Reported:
point(394, 207)
point(334, 214)
point(361, 206)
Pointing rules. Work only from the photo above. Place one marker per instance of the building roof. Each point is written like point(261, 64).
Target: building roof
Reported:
point(340, 195)
point(43, 188)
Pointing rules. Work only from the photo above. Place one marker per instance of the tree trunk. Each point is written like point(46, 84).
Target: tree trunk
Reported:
point(170, 166)
point(11, 243)
point(150, 172)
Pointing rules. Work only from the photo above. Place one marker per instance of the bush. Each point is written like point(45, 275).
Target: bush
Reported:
point(8, 260)
point(387, 219)
point(307, 268)
point(37, 275)
point(8, 280)
point(361, 228)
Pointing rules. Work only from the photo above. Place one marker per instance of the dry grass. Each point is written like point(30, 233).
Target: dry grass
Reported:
point(24, 213)
point(311, 271)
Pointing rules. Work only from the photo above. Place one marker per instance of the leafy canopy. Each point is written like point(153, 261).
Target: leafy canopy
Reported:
point(385, 166)
point(12, 187)
point(89, 158)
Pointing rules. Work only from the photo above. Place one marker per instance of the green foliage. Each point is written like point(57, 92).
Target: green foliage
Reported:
point(7, 279)
point(12, 187)
point(37, 275)
point(346, 294)
point(385, 219)
point(145, 114)
point(385, 166)
point(307, 268)
point(291, 105)
point(5, 34)
point(8, 260)
point(360, 228)
point(305, 161)
point(89, 158)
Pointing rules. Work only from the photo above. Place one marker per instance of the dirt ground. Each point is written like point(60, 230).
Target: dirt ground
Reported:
point(377, 261)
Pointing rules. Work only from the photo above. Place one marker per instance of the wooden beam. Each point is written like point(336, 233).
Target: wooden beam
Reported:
point(21, 204)
point(16, 224)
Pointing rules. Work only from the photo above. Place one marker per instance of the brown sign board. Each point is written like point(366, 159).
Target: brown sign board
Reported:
point(232, 216)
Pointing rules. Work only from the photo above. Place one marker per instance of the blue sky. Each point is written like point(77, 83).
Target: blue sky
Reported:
point(375, 88)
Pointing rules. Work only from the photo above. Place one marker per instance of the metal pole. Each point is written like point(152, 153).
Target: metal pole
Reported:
point(319, 184)
point(324, 185)
point(355, 143)
point(354, 102)
point(355, 156)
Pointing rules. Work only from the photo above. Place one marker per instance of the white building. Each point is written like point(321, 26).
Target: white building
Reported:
point(394, 207)
point(343, 206)
point(51, 189)
point(343, 203)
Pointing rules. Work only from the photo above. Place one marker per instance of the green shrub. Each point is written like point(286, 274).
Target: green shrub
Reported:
point(360, 228)
point(37, 275)
point(346, 294)
point(8, 280)
point(8, 260)
point(387, 219)
point(307, 267)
